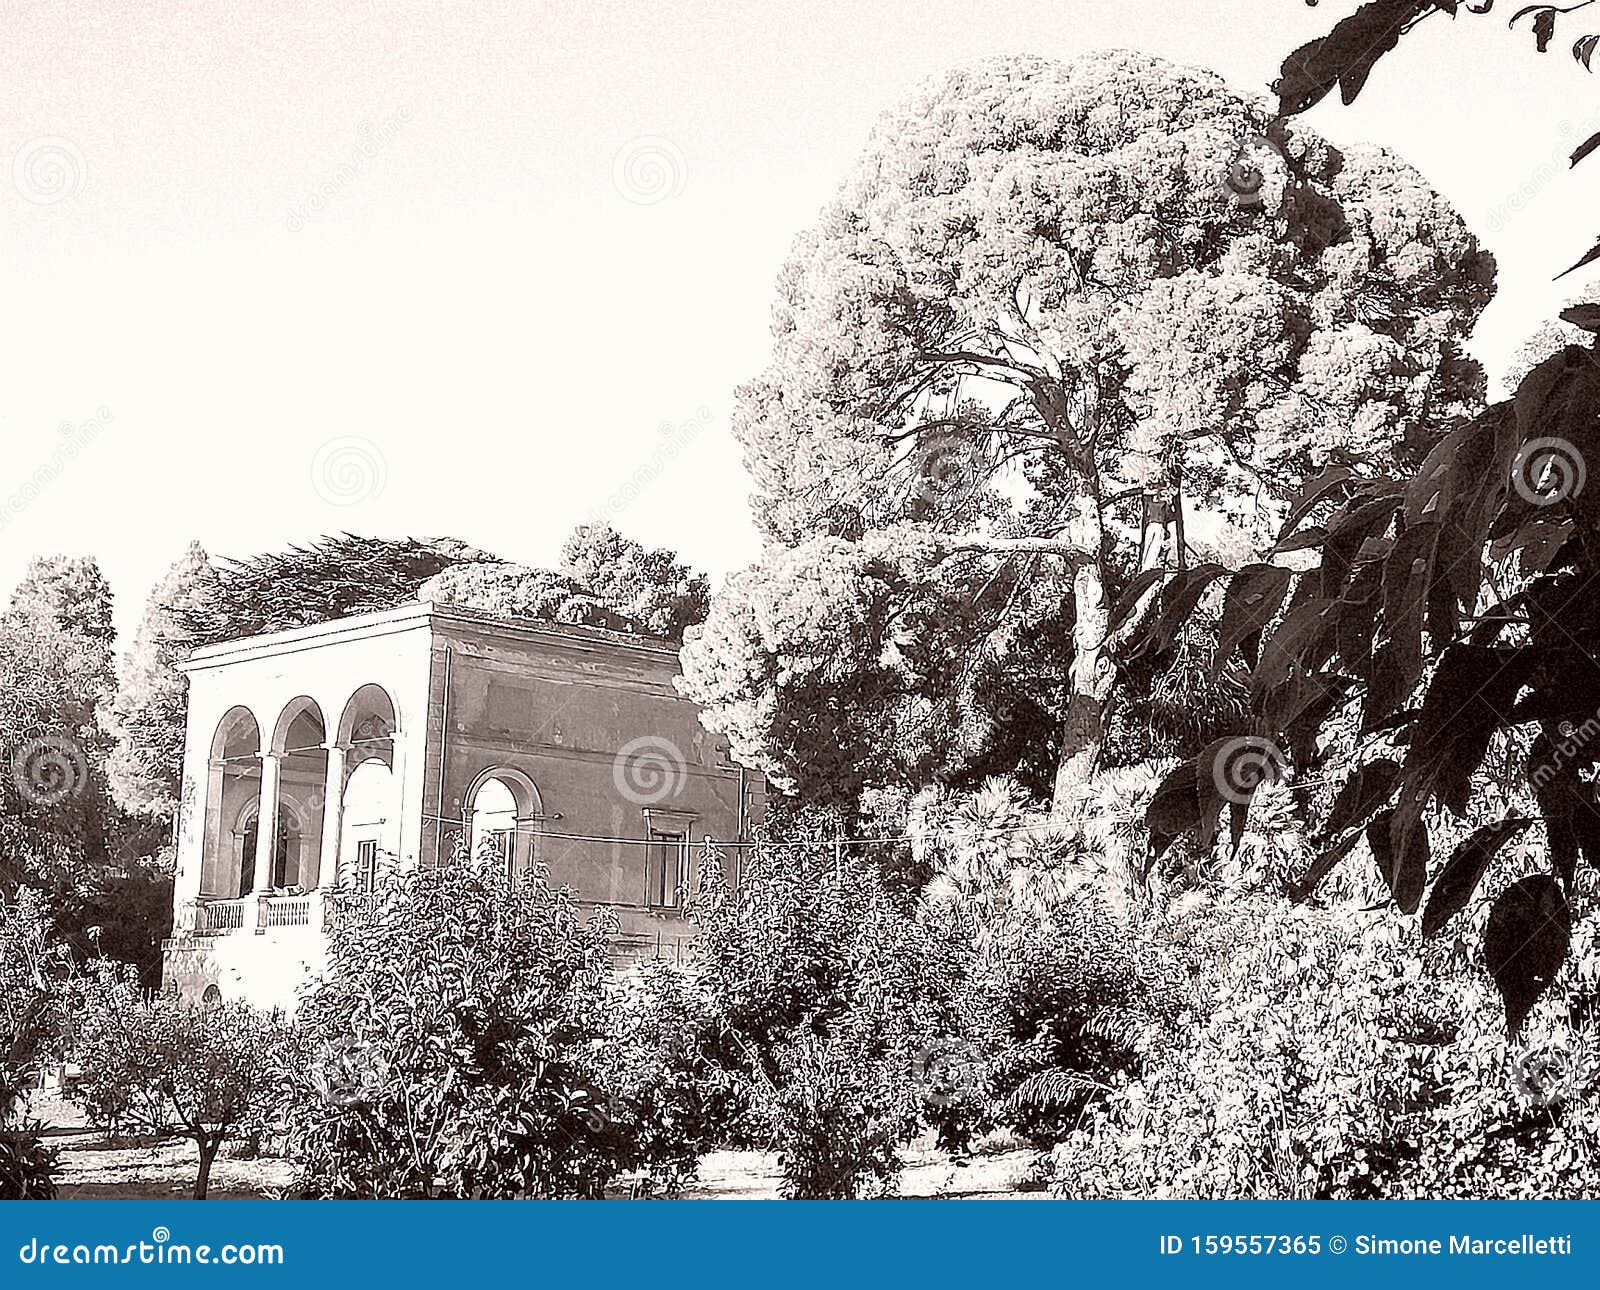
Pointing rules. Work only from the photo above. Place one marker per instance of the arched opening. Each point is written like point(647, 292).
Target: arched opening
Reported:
point(300, 742)
point(493, 829)
point(369, 821)
point(234, 784)
point(370, 839)
point(367, 727)
point(503, 810)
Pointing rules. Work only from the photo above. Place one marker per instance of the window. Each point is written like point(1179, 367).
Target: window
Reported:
point(367, 865)
point(666, 868)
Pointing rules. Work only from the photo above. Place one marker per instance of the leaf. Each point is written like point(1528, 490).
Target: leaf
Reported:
point(1583, 50)
point(1131, 599)
point(1525, 943)
point(1404, 869)
point(1465, 869)
point(1253, 598)
point(1585, 316)
point(1178, 600)
point(1314, 491)
point(1590, 258)
point(1368, 788)
point(1585, 148)
point(1175, 808)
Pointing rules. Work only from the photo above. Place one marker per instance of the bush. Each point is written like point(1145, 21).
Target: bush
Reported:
point(458, 1046)
point(158, 1066)
point(1326, 1057)
point(33, 970)
point(814, 992)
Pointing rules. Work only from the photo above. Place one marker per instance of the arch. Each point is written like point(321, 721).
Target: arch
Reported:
point(234, 782)
point(301, 717)
point(368, 724)
point(502, 808)
point(524, 790)
point(212, 998)
point(238, 733)
point(299, 741)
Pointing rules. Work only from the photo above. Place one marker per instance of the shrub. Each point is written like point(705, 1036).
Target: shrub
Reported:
point(33, 966)
point(458, 1046)
point(158, 1066)
point(1327, 1058)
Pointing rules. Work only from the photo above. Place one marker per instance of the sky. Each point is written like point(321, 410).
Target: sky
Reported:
point(491, 270)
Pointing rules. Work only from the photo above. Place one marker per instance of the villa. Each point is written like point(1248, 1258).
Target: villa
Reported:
point(392, 740)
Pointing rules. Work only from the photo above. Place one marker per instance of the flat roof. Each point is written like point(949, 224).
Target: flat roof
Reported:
point(412, 616)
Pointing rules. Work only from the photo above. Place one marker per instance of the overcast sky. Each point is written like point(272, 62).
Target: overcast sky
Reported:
point(494, 269)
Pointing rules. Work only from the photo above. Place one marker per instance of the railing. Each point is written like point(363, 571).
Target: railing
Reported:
point(217, 917)
point(286, 911)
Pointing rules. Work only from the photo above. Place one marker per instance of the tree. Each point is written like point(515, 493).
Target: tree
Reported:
point(163, 1067)
point(68, 591)
point(455, 1044)
point(605, 580)
point(332, 578)
point(146, 716)
point(653, 589)
point(1057, 307)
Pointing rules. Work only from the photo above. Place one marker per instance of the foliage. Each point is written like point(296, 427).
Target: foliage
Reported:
point(69, 592)
point(814, 993)
point(156, 1065)
point(651, 588)
point(33, 968)
point(1323, 1057)
point(1448, 610)
point(458, 1038)
point(1346, 56)
point(605, 580)
point(1055, 305)
point(146, 715)
point(333, 577)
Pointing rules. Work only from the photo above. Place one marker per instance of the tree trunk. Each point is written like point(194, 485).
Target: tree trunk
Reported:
point(1083, 730)
point(209, 1146)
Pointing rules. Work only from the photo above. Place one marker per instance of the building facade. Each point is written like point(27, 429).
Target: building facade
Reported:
point(395, 739)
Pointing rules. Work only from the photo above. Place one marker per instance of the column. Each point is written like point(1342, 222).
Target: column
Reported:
point(332, 817)
point(267, 822)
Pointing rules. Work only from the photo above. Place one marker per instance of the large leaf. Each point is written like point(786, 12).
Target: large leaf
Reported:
point(1367, 790)
point(1525, 943)
point(1253, 598)
point(1465, 869)
point(1403, 862)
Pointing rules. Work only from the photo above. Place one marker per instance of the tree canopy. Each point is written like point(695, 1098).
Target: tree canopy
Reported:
point(1057, 313)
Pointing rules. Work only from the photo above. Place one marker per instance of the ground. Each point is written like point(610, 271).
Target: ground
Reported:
point(94, 1169)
